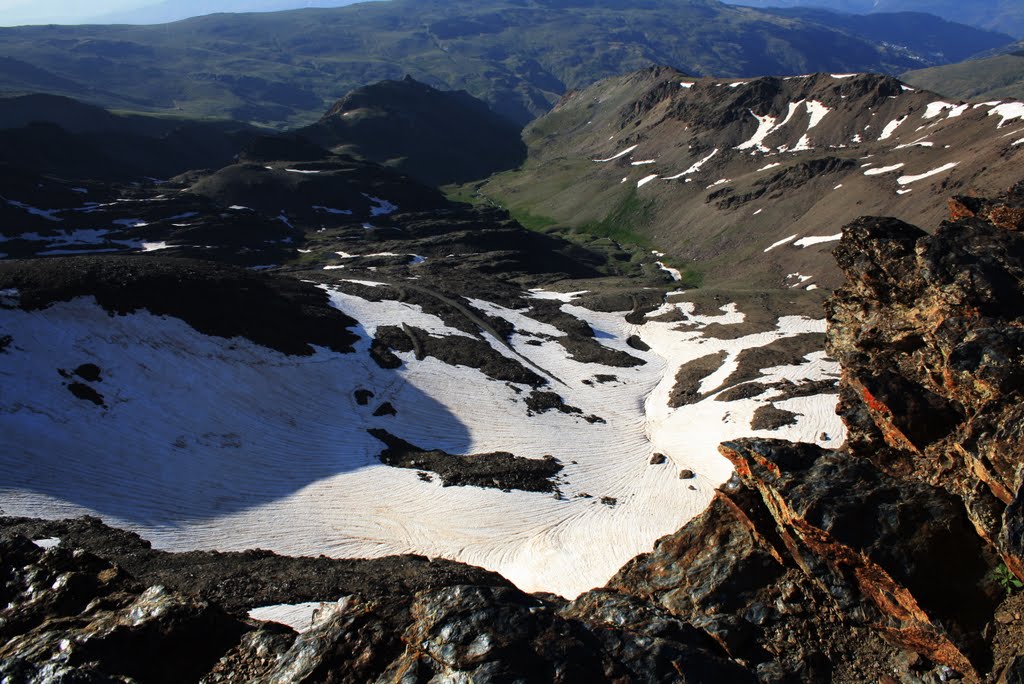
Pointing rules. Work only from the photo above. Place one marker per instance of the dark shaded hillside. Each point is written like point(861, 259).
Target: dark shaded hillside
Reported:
point(517, 55)
point(53, 134)
point(436, 137)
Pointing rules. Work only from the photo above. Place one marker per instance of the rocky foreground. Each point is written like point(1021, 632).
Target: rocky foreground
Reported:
point(896, 559)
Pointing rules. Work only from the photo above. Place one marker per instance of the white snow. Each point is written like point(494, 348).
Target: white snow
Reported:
point(904, 191)
point(1008, 112)
point(720, 181)
point(674, 272)
point(646, 179)
point(737, 84)
point(695, 167)
point(856, 138)
point(780, 243)
point(331, 210)
point(299, 616)
point(842, 75)
point(804, 143)
point(817, 111)
point(184, 410)
point(891, 127)
point(155, 246)
point(239, 207)
point(920, 142)
point(643, 163)
point(838, 186)
point(686, 85)
point(904, 180)
point(48, 543)
point(623, 153)
point(301, 171)
point(48, 214)
point(383, 207)
point(884, 169)
point(957, 111)
point(559, 296)
point(935, 109)
point(130, 222)
point(767, 125)
point(757, 212)
point(1019, 142)
point(817, 239)
point(770, 166)
point(906, 88)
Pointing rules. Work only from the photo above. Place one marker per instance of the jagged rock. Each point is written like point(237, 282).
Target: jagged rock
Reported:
point(928, 333)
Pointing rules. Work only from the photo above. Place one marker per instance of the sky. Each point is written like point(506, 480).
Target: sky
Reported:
point(13, 12)
point(17, 12)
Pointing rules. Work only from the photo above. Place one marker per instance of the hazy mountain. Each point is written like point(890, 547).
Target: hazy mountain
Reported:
point(992, 78)
point(519, 56)
point(176, 10)
point(997, 15)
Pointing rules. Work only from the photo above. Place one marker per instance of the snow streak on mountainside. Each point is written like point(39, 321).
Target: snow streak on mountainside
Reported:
point(213, 443)
point(731, 168)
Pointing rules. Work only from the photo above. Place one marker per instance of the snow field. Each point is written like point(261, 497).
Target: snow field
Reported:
point(209, 443)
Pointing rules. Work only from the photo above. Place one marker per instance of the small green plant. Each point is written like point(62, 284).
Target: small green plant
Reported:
point(1007, 580)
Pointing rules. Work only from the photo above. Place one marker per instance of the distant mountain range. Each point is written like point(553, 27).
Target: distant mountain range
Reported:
point(990, 77)
point(520, 56)
point(997, 15)
point(176, 10)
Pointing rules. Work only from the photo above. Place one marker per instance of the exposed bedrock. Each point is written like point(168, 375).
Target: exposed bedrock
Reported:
point(813, 563)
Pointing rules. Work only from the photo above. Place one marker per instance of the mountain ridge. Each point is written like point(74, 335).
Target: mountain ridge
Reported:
point(286, 68)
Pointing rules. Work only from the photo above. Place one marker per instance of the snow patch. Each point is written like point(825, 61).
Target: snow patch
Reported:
point(695, 167)
point(645, 180)
point(817, 239)
point(623, 153)
point(891, 127)
point(780, 243)
point(331, 210)
point(1008, 112)
point(884, 169)
point(904, 180)
point(383, 207)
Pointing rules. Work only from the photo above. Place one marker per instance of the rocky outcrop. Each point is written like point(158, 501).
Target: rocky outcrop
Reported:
point(899, 538)
point(69, 614)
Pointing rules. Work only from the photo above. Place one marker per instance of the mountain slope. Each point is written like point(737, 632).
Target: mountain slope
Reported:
point(436, 137)
point(743, 179)
point(167, 11)
point(995, 15)
point(286, 68)
point(992, 78)
point(59, 135)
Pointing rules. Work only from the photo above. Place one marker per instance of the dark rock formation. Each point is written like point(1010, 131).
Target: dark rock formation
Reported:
point(216, 299)
point(498, 469)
